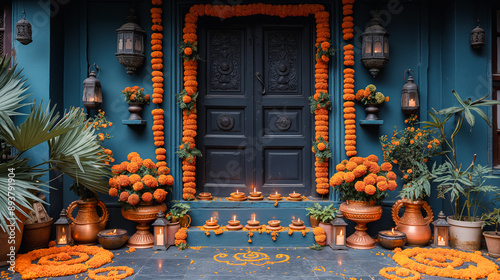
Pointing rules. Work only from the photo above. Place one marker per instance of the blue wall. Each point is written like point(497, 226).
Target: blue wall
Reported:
point(432, 39)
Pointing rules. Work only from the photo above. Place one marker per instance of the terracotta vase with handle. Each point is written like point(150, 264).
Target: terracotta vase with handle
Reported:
point(413, 223)
point(87, 224)
point(361, 212)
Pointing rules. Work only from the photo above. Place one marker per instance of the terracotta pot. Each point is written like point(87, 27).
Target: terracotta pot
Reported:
point(87, 224)
point(371, 112)
point(135, 110)
point(314, 222)
point(144, 213)
point(361, 212)
point(36, 236)
point(4, 240)
point(412, 223)
point(465, 235)
point(328, 231)
point(172, 228)
point(493, 243)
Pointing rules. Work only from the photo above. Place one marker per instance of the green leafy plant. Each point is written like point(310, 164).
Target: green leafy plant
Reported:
point(492, 217)
point(316, 247)
point(188, 151)
point(411, 149)
point(183, 246)
point(465, 187)
point(178, 210)
point(325, 50)
point(321, 150)
point(186, 101)
point(189, 51)
point(320, 100)
point(323, 214)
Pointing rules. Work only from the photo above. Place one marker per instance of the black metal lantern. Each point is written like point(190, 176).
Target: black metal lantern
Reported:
point(441, 231)
point(130, 44)
point(339, 233)
point(160, 232)
point(477, 36)
point(410, 101)
point(23, 30)
point(375, 46)
point(92, 90)
point(63, 230)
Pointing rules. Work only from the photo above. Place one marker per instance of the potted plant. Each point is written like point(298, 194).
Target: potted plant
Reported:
point(325, 216)
point(411, 150)
point(179, 213)
point(313, 212)
point(135, 98)
point(363, 183)
point(492, 237)
point(465, 187)
point(371, 98)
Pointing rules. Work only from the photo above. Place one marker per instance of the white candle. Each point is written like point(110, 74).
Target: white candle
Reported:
point(441, 241)
point(340, 239)
point(411, 103)
point(159, 239)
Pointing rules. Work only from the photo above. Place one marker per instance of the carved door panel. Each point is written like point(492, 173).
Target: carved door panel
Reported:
point(254, 124)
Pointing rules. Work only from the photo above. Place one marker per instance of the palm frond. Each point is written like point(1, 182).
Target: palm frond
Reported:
point(12, 89)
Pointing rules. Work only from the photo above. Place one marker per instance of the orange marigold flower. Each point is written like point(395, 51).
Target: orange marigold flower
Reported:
point(137, 186)
point(132, 167)
point(386, 166)
point(113, 192)
point(132, 155)
point(160, 195)
point(123, 180)
point(133, 199)
point(392, 185)
point(374, 168)
point(372, 158)
point(349, 177)
point(124, 196)
point(147, 197)
point(382, 186)
point(163, 170)
point(369, 180)
point(336, 180)
point(325, 46)
point(370, 189)
point(360, 186)
point(149, 163)
point(150, 181)
point(134, 178)
point(351, 165)
point(113, 182)
point(409, 171)
point(340, 167)
point(391, 175)
point(138, 161)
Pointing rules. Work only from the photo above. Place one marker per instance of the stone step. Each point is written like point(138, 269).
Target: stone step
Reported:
point(264, 211)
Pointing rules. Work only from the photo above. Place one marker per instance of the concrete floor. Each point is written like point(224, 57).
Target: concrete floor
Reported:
point(261, 263)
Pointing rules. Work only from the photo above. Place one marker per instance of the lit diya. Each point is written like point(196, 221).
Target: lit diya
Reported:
point(297, 224)
point(211, 224)
point(237, 196)
point(253, 223)
point(275, 196)
point(391, 239)
point(111, 239)
point(255, 195)
point(294, 196)
point(205, 196)
point(274, 225)
point(234, 224)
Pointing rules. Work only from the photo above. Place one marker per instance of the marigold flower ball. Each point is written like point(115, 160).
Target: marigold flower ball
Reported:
point(132, 155)
point(113, 192)
point(124, 196)
point(123, 180)
point(132, 167)
point(133, 199)
point(147, 197)
point(370, 189)
point(138, 186)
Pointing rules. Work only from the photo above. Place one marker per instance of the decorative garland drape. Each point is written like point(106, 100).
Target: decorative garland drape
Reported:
point(187, 98)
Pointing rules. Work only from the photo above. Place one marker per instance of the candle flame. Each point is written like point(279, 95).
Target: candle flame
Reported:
point(237, 191)
point(114, 231)
point(340, 232)
point(392, 231)
point(293, 192)
point(63, 231)
point(62, 240)
point(160, 230)
point(276, 192)
point(441, 238)
point(298, 219)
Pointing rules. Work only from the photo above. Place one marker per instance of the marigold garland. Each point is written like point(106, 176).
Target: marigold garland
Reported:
point(404, 272)
point(180, 237)
point(28, 270)
point(482, 269)
point(190, 55)
point(113, 273)
point(349, 96)
point(319, 236)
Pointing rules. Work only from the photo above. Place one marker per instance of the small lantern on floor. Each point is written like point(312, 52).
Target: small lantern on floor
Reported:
point(23, 30)
point(339, 233)
point(92, 90)
point(375, 46)
point(441, 231)
point(410, 100)
point(160, 232)
point(477, 36)
point(130, 44)
point(63, 230)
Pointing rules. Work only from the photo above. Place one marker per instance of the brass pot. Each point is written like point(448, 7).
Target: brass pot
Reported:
point(412, 223)
point(87, 224)
point(361, 212)
point(144, 213)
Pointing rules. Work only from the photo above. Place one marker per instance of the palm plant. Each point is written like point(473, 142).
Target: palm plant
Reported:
point(454, 180)
point(73, 149)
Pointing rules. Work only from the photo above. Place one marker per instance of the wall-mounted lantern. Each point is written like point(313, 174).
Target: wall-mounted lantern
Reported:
point(375, 46)
point(23, 30)
point(477, 36)
point(130, 44)
point(410, 100)
point(92, 90)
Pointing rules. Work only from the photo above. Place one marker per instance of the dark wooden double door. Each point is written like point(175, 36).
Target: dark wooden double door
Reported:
point(254, 121)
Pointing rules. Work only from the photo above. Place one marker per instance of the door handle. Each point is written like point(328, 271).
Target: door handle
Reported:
point(259, 78)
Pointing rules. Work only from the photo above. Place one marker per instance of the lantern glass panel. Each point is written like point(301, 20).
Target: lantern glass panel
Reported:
point(62, 234)
point(128, 43)
point(160, 236)
point(386, 46)
point(377, 47)
point(442, 236)
point(368, 47)
point(340, 235)
point(120, 42)
point(138, 45)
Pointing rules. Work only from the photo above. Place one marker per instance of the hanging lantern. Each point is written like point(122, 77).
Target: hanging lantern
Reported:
point(339, 233)
point(23, 30)
point(130, 44)
point(92, 90)
point(477, 36)
point(375, 46)
point(160, 232)
point(441, 231)
point(410, 99)
point(63, 230)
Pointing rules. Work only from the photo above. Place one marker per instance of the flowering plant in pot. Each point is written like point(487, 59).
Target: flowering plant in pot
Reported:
point(323, 215)
point(362, 182)
point(179, 213)
point(136, 99)
point(371, 98)
point(492, 237)
point(465, 187)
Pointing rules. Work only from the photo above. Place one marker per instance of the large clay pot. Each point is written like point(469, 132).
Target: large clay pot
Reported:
point(412, 223)
point(6, 254)
point(361, 212)
point(144, 213)
point(36, 236)
point(87, 224)
point(328, 231)
point(465, 235)
point(493, 243)
point(172, 229)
